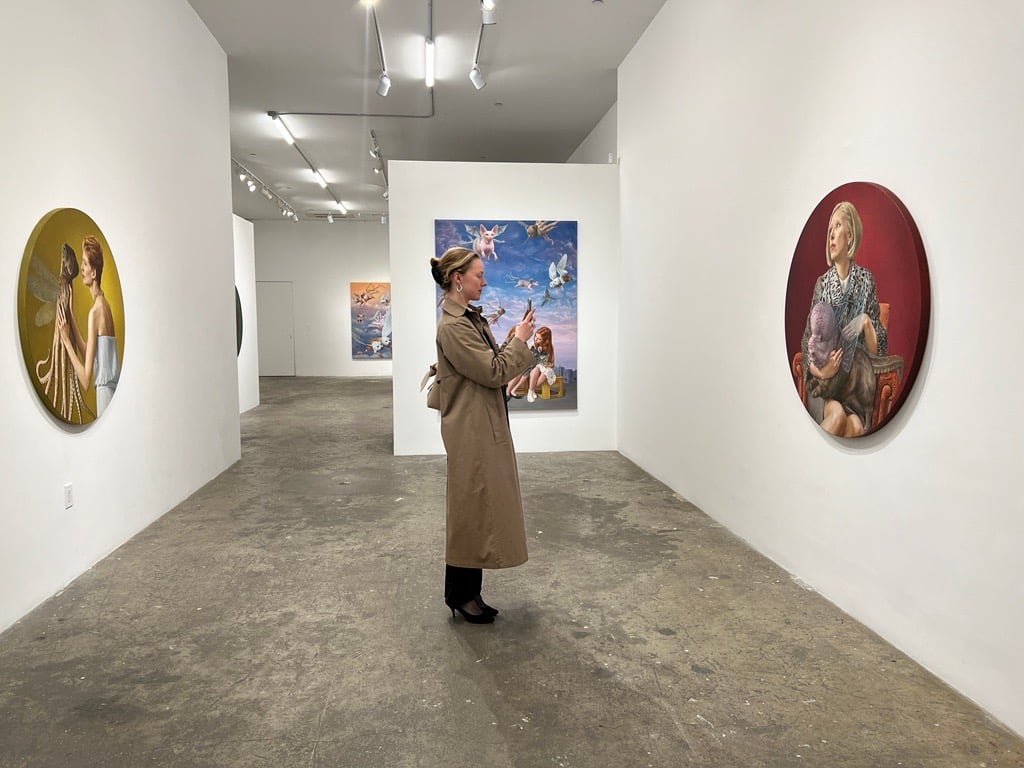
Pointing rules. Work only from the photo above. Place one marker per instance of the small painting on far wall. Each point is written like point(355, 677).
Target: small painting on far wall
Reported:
point(71, 316)
point(527, 260)
point(857, 309)
point(371, 320)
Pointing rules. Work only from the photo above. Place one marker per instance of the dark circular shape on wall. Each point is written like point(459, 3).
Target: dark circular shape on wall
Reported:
point(238, 323)
point(71, 316)
point(857, 309)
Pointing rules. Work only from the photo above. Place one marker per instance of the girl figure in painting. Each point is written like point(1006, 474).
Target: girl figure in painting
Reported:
point(484, 513)
point(544, 358)
point(94, 357)
point(849, 289)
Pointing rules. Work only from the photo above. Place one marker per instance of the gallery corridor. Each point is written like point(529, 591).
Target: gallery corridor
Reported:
point(289, 615)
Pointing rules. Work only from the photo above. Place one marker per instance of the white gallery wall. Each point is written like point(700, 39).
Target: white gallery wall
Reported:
point(116, 107)
point(245, 284)
point(320, 260)
point(422, 192)
point(601, 144)
point(915, 531)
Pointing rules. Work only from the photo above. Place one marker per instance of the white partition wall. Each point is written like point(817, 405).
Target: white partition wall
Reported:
point(588, 194)
point(321, 260)
point(119, 109)
point(757, 111)
point(245, 284)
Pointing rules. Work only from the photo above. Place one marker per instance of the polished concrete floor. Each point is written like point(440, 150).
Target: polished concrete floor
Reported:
point(289, 615)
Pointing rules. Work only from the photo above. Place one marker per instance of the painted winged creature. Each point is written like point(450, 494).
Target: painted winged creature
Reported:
point(541, 229)
point(484, 240)
point(559, 274)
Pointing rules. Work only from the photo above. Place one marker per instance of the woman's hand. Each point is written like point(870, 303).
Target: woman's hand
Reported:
point(62, 325)
point(861, 325)
point(831, 366)
point(524, 330)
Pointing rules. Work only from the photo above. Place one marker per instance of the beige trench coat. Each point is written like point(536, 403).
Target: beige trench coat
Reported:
point(485, 526)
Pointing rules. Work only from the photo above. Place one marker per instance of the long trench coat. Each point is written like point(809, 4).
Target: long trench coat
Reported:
point(485, 526)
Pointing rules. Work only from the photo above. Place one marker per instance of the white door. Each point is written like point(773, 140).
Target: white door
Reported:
point(275, 324)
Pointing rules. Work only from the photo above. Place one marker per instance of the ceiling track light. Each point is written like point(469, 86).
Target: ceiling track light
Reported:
point(330, 218)
point(282, 128)
point(317, 175)
point(488, 12)
point(428, 62)
point(475, 75)
point(253, 182)
point(384, 81)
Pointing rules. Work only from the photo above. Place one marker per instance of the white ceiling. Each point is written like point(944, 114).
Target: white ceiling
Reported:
point(550, 67)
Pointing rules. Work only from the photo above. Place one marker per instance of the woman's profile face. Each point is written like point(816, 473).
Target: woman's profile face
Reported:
point(839, 237)
point(88, 273)
point(473, 280)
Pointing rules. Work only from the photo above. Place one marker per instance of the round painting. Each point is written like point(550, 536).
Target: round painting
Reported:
point(238, 324)
point(857, 308)
point(71, 316)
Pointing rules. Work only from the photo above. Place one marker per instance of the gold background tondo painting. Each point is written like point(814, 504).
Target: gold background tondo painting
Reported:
point(37, 290)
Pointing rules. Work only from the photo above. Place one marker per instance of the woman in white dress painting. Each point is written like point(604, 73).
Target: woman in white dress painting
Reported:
point(94, 356)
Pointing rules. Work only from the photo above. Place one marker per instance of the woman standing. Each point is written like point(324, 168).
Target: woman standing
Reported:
point(850, 290)
point(484, 517)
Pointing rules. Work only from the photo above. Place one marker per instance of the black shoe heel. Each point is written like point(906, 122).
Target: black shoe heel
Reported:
point(480, 618)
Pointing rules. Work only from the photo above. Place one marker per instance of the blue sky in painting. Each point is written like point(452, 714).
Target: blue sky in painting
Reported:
point(524, 258)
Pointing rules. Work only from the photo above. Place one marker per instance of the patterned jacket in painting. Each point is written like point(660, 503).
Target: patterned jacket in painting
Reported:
point(860, 296)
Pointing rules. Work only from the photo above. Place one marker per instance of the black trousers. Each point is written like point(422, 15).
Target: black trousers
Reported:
point(461, 584)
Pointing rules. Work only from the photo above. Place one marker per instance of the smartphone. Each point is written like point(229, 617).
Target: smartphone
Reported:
point(529, 306)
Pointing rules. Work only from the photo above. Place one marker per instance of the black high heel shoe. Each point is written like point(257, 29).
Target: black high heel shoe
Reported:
point(472, 618)
point(487, 609)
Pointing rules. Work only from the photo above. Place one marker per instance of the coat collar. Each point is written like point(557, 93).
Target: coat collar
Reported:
point(457, 310)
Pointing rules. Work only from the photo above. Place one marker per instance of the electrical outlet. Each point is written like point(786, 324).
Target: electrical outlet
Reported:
point(69, 499)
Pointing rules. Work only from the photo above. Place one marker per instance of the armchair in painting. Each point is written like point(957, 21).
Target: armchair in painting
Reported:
point(887, 369)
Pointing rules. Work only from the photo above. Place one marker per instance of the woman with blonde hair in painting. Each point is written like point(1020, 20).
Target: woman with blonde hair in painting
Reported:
point(94, 356)
point(484, 512)
point(849, 289)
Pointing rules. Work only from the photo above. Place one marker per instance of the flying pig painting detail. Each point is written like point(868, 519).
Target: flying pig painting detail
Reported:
point(529, 260)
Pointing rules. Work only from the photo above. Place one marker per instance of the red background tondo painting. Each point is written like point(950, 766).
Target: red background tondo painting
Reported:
point(891, 248)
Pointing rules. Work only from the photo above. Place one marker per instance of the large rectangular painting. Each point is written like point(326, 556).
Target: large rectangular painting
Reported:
point(371, 321)
point(523, 261)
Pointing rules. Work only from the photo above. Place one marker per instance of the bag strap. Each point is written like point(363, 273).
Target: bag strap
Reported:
point(431, 372)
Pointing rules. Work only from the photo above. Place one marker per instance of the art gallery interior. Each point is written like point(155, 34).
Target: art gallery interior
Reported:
point(733, 119)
